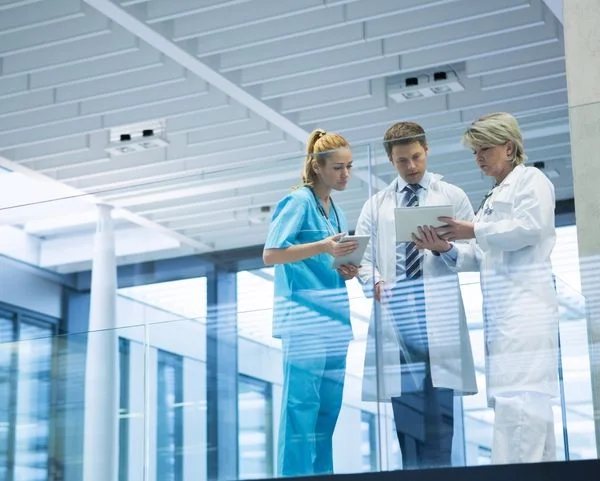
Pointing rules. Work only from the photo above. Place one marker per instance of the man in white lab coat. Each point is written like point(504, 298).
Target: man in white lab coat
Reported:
point(511, 239)
point(418, 298)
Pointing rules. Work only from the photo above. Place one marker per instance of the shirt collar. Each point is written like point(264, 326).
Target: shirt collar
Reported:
point(511, 176)
point(424, 183)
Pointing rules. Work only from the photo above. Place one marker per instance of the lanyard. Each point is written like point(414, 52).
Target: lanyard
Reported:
point(324, 214)
point(485, 198)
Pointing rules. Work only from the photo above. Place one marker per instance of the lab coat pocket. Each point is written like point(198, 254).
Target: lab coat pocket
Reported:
point(501, 209)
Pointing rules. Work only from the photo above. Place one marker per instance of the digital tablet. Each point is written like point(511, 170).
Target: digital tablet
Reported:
point(355, 257)
point(408, 219)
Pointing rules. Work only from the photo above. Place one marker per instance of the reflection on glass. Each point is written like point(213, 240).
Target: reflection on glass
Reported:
point(574, 356)
point(181, 297)
point(169, 417)
point(368, 445)
point(33, 403)
point(255, 429)
point(255, 305)
point(6, 400)
point(124, 409)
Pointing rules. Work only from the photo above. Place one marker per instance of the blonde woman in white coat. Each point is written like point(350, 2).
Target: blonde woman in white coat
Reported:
point(421, 304)
point(511, 239)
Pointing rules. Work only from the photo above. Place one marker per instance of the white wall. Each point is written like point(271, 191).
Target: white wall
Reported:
point(24, 287)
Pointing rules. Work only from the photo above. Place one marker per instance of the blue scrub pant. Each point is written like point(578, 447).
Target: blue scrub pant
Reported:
point(313, 383)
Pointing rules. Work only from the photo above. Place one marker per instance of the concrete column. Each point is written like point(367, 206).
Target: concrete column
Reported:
point(582, 46)
point(101, 424)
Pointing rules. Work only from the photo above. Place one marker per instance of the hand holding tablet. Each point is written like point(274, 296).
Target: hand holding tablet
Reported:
point(409, 219)
point(355, 257)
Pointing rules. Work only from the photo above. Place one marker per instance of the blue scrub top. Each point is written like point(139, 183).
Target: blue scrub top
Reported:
point(310, 296)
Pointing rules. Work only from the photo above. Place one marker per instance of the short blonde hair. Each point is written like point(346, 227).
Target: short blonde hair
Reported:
point(496, 129)
point(320, 145)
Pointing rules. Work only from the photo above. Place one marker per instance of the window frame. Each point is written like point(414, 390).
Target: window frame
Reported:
point(264, 388)
point(18, 316)
point(166, 359)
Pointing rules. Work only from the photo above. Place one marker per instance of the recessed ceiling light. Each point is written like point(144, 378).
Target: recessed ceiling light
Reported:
point(424, 84)
point(415, 94)
point(441, 89)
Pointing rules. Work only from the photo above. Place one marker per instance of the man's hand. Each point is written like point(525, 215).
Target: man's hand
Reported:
point(429, 239)
point(348, 271)
point(381, 292)
point(455, 229)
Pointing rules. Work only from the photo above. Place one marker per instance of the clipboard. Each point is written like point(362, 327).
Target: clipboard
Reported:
point(408, 219)
point(355, 257)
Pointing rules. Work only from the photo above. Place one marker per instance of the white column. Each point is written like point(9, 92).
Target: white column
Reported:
point(582, 48)
point(101, 434)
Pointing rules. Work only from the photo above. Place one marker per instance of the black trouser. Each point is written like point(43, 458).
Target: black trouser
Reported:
point(423, 414)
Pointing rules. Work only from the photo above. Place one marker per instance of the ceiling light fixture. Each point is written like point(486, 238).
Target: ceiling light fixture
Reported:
point(129, 139)
point(424, 84)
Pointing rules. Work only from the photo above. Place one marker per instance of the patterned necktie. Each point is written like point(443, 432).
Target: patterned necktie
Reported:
point(413, 256)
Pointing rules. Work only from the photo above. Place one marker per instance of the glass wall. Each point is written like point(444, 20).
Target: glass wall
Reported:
point(145, 150)
point(163, 393)
point(169, 417)
point(124, 407)
point(167, 372)
point(368, 430)
point(255, 420)
point(28, 418)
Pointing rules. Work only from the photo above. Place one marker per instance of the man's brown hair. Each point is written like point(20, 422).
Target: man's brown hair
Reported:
point(403, 133)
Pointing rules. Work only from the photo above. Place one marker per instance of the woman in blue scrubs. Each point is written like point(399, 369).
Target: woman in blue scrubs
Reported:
point(311, 314)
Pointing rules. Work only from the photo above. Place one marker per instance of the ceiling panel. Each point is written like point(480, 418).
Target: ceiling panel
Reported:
point(236, 86)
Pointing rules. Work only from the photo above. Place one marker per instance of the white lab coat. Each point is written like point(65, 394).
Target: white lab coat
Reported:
point(451, 358)
point(514, 237)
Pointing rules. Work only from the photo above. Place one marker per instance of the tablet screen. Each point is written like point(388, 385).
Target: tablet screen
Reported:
point(355, 257)
point(408, 219)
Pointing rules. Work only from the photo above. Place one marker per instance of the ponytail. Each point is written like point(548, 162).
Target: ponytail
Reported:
point(319, 146)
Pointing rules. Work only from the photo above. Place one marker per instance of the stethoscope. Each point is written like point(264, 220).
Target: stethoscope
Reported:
point(324, 214)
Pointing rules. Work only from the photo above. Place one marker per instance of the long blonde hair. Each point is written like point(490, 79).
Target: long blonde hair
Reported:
point(320, 145)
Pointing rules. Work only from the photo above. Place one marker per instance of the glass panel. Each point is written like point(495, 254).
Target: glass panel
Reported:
point(368, 448)
point(175, 349)
point(7, 399)
point(187, 225)
point(185, 298)
point(34, 402)
point(73, 377)
point(124, 408)
point(255, 418)
point(169, 417)
point(575, 421)
point(255, 305)
point(565, 416)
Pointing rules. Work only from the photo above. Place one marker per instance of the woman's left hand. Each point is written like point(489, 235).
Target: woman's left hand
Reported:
point(455, 229)
point(348, 271)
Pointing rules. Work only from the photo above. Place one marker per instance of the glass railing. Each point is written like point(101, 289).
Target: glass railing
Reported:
point(181, 376)
point(159, 398)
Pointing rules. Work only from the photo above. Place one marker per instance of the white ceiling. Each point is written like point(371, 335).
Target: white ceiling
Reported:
point(238, 85)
